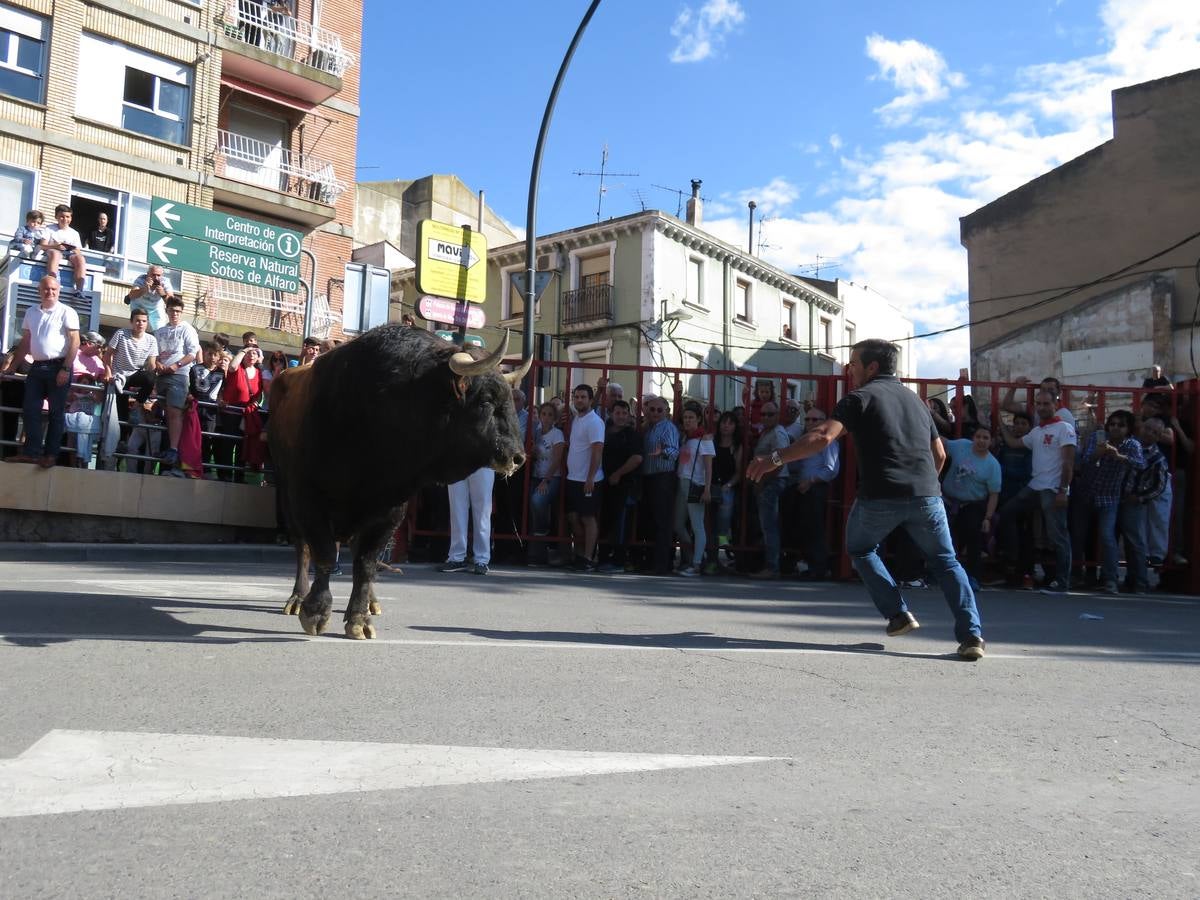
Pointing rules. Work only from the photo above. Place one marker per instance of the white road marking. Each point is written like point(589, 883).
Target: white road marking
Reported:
point(74, 771)
point(334, 640)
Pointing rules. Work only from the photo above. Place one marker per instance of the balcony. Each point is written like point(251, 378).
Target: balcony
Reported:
point(282, 53)
point(247, 306)
point(589, 307)
point(309, 184)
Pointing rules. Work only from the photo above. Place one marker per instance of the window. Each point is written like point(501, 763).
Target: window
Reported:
point(825, 335)
point(787, 329)
point(22, 55)
point(851, 335)
point(695, 281)
point(150, 95)
point(16, 196)
point(155, 106)
point(741, 301)
point(594, 271)
point(129, 219)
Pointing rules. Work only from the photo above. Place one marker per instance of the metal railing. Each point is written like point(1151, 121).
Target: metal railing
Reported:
point(253, 306)
point(252, 161)
point(588, 306)
point(288, 36)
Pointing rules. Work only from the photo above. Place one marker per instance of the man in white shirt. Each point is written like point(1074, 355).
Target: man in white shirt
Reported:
point(150, 292)
point(129, 359)
point(50, 335)
point(63, 242)
point(585, 477)
point(1052, 443)
point(178, 347)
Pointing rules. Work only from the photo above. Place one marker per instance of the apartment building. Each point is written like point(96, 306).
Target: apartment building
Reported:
point(238, 106)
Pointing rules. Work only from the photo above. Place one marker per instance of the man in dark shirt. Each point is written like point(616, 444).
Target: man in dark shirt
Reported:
point(621, 460)
point(899, 457)
point(101, 238)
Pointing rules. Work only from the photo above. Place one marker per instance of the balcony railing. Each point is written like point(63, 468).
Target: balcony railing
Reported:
point(588, 307)
point(287, 36)
point(252, 306)
point(252, 161)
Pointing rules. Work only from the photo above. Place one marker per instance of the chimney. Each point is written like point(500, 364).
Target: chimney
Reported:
point(695, 206)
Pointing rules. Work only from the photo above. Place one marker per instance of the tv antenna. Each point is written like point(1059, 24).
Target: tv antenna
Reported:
point(640, 196)
point(814, 268)
point(680, 197)
point(761, 243)
point(604, 173)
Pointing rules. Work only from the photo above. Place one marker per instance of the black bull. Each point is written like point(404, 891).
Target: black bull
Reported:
point(356, 434)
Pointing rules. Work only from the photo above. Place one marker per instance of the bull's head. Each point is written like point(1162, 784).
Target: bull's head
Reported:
point(486, 394)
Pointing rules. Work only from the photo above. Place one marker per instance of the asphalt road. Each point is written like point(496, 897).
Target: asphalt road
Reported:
point(540, 734)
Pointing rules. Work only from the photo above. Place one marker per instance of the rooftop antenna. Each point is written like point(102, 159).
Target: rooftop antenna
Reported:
point(603, 173)
point(681, 197)
point(761, 243)
point(640, 196)
point(814, 269)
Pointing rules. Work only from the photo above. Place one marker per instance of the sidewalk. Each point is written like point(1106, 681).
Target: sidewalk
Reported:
point(229, 553)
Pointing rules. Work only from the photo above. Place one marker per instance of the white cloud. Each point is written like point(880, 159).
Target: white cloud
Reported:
point(917, 70)
point(835, 141)
point(699, 33)
point(895, 225)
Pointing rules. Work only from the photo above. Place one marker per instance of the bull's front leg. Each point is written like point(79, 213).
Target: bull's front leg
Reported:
point(362, 604)
point(316, 608)
point(300, 585)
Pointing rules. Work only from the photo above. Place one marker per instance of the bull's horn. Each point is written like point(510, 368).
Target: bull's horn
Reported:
point(514, 377)
point(462, 363)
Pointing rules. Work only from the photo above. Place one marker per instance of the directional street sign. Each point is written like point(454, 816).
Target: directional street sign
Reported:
point(215, 227)
point(224, 262)
point(443, 309)
point(451, 261)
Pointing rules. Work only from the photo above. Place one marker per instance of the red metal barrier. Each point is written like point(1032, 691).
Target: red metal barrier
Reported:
point(826, 390)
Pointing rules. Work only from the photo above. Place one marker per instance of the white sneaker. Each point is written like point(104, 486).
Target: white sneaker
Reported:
point(1039, 573)
point(801, 567)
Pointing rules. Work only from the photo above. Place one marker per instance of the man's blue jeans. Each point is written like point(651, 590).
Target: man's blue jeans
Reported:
point(1055, 518)
point(41, 384)
point(769, 492)
point(924, 518)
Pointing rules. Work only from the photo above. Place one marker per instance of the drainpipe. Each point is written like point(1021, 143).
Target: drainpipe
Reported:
point(308, 289)
point(727, 272)
point(810, 335)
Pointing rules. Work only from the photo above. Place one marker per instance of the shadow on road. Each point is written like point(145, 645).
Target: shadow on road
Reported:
point(41, 618)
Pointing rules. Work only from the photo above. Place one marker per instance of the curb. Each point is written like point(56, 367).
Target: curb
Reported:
point(224, 553)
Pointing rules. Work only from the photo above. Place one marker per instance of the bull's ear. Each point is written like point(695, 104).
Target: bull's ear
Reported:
point(461, 383)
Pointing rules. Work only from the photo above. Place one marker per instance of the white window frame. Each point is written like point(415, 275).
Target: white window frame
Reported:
point(590, 352)
point(128, 252)
point(787, 317)
point(27, 203)
point(851, 335)
point(592, 250)
point(748, 319)
point(825, 332)
point(701, 266)
point(103, 100)
point(156, 108)
point(21, 24)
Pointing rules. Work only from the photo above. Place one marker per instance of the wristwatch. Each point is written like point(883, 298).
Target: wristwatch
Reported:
point(775, 460)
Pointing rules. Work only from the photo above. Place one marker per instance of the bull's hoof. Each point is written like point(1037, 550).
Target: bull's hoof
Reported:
point(313, 625)
point(374, 608)
point(360, 631)
point(292, 607)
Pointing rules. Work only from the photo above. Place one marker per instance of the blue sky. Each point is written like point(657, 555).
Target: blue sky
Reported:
point(863, 129)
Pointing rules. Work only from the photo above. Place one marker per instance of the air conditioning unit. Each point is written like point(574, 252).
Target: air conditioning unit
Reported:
point(550, 261)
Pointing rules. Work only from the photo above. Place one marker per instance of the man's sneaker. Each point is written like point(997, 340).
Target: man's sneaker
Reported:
point(479, 569)
point(689, 571)
point(902, 623)
point(609, 568)
point(972, 648)
point(765, 575)
point(453, 565)
point(337, 570)
point(1110, 587)
point(1154, 561)
point(170, 457)
point(1055, 587)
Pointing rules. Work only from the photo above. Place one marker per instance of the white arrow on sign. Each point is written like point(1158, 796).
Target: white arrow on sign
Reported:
point(73, 771)
point(448, 251)
point(166, 217)
point(162, 248)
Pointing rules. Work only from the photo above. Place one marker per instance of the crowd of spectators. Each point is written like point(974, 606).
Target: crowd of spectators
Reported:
point(1041, 500)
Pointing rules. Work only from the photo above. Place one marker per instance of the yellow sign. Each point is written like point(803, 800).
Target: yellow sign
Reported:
point(451, 261)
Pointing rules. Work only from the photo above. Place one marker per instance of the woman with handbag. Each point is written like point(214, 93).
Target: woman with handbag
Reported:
point(693, 491)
